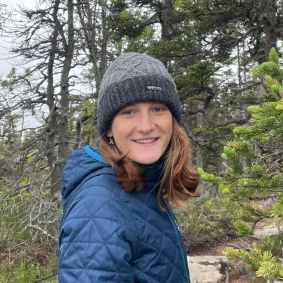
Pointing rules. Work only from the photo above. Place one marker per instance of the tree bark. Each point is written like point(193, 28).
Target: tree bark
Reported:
point(166, 13)
point(270, 21)
point(52, 119)
point(63, 152)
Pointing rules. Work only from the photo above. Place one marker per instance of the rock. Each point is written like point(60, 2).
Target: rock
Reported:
point(206, 269)
point(266, 227)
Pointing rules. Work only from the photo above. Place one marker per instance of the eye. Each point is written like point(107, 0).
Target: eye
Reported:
point(127, 112)
point(158, 109)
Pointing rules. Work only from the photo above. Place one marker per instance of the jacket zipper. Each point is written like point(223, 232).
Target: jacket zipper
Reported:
point(180, 247)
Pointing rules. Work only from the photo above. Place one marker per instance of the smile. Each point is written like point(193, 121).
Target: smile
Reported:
point(145, 141)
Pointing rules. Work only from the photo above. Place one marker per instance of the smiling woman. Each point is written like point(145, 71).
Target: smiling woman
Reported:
point(118, 225)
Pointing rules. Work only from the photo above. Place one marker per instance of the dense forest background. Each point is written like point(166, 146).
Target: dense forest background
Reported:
point(61, 49)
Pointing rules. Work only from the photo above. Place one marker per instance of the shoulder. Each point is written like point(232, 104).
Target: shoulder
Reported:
point(100, 206)
point(99, 197)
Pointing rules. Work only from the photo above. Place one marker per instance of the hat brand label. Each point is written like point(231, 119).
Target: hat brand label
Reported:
point(154, 87)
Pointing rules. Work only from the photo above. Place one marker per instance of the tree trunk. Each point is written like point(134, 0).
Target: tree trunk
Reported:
point(63, 152)
point(52, 119)
point(166, 12)
point(199, 157)
point(270, 21)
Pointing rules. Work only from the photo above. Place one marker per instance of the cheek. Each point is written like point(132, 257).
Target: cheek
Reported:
point(170, 128)
point(120, 136)
point(169, 139)
point(169, 132)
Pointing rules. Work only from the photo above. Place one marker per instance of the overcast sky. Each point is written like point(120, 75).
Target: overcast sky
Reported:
point(11, 3)
point(5, 67)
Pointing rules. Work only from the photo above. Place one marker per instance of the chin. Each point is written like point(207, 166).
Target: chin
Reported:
point(146, 161)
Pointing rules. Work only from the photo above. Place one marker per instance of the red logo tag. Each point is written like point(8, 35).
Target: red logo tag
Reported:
point(154, 87)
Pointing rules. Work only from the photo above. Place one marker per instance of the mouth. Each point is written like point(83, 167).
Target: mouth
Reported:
point(146, 141)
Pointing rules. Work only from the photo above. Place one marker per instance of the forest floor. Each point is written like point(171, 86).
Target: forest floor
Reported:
point(215, 248)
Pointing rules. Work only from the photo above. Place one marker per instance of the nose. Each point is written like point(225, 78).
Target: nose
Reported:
point(145, 123)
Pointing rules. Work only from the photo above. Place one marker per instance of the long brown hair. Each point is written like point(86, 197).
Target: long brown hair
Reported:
point(179, 180)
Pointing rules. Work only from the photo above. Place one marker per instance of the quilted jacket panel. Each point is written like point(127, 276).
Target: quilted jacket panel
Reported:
point(109, 235)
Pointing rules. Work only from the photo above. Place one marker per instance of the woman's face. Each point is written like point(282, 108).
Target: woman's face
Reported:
point(143, 130)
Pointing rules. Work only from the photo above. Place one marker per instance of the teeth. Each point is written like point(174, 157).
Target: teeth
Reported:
point(145, 140)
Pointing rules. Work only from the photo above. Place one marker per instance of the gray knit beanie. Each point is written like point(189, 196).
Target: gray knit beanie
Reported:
point(132, 78)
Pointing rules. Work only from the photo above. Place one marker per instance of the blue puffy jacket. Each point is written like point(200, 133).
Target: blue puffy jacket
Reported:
point(110, 235)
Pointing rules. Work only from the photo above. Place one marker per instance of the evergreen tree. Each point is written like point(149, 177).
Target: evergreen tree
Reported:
point(254, 166)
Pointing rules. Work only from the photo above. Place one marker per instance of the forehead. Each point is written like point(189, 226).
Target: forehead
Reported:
point(144, 104)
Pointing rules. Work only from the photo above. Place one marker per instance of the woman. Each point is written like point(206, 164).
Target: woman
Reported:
point(117, 224)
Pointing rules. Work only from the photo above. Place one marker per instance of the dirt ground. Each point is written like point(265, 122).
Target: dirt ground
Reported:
point(215, 248)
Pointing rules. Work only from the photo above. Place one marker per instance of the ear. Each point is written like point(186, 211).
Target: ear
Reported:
point(109, 133)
